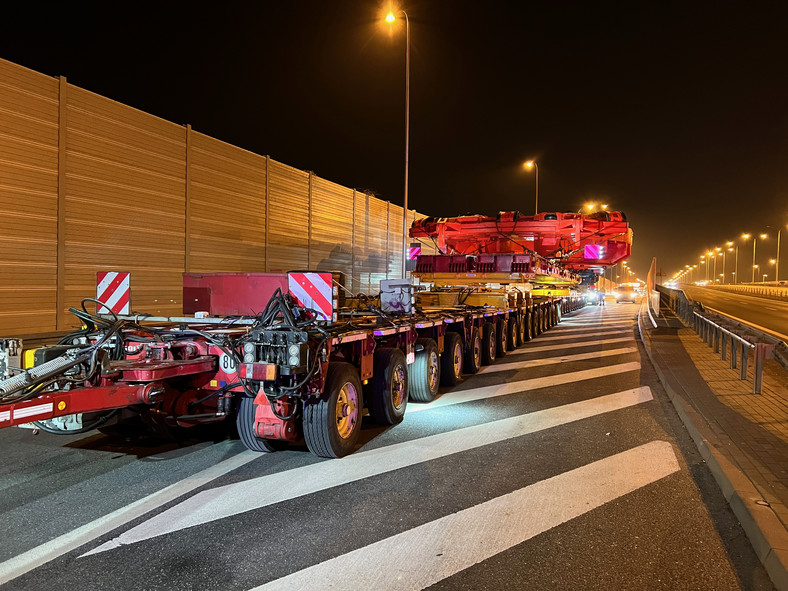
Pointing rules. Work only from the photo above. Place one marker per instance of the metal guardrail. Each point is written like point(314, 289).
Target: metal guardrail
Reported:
point(732, 340)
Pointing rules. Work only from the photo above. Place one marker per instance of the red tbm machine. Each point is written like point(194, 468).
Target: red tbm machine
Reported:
point(293, 361)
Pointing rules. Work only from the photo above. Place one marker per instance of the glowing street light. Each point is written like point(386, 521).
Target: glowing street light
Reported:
point(531, 164)
point(390, 18)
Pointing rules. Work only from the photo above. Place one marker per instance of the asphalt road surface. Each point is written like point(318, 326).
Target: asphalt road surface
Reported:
point(561, 466)
point(761, 312)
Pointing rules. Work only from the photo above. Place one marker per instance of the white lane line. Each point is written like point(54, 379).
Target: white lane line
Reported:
point(429, 553)
point(233, 499)
point(555, 360)
point(451, 398)
point(27, 561)
point(590, 325)
point(575, 345)
point(590, 329)
point(599, 322)
point(566, 337)
point(770, 308)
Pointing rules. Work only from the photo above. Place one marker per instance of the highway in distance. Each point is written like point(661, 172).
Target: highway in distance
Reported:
point(562, 465)
point(755, 310)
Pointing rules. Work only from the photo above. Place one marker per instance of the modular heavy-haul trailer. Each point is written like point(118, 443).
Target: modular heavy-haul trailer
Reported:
point(280, 353)
point(303, 369)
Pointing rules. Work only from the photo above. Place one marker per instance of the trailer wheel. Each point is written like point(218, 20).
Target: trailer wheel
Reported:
point(424, 374)
point(244, 421)
point(500, 338)
point(489, 343)
point(388, 388)
point(332, 422)
point(512, 331)
point(537, 322)
point(451, 360)
point(525, 327)
point(473, 352)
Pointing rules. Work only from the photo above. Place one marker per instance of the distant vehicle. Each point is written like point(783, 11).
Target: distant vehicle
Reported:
point(628, 292)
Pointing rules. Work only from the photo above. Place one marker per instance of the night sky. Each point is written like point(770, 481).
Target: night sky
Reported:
point(675, 113)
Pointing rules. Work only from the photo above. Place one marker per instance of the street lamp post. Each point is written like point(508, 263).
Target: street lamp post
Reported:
point(754, 266)
point(529, 165)
point(777, 264)
point(390, 18)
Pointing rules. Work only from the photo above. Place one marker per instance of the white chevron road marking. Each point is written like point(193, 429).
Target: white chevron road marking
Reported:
point(27, 561)
point(529, 349)
point(555, 360)
point(233, 499)
point(429, 553)
point(574, 337)
point(451, 398)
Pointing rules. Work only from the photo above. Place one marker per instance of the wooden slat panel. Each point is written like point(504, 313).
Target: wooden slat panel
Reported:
point(227, 207)
point(28, 81)
point(394, 266)
point(370, 231)
point(332, 227)
point(135, 123)
point(124, 202)
point(288, 213)
point(28, 200)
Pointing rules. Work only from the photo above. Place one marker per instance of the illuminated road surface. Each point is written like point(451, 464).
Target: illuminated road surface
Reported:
point(562, 465)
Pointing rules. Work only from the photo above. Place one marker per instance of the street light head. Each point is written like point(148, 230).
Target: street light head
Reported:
point(745, 236)
point(390, 18)
point(764, 236)
point(729, 243)
point(529, 164)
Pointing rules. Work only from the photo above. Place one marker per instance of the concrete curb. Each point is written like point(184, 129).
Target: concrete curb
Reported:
point(764, 529)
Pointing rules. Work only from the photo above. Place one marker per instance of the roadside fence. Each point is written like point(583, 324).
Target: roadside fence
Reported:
point(734, 341)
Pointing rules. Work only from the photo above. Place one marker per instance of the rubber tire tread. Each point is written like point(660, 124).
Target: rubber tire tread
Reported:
point(244, 421)
point(512, 328)
point(319, 415)
point(418, 380)
point(381, 407)
point(471, 365)
point(501, 338)
point(527, 328)
point(448, 377)
point(488, 343)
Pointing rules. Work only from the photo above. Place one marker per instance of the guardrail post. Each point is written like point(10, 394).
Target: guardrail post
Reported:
point(757, 370)
point(734, 353)
point(716, 336)
point(745, 354)
point(724, 346)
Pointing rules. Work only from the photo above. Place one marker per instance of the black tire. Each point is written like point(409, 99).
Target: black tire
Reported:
point(489, 343)
point(500, 338)
point(512, 330)
point(332, 421)
point(473, 352)
point(451, 359)
point(244, 421)
point(387, 395)
point(537, 322)
point(525, 327)
point(424, 373)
